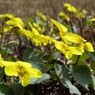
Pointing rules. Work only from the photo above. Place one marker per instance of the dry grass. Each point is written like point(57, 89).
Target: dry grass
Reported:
point(27, 8)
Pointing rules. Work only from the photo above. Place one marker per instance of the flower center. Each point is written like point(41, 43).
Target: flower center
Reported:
point(22, 71)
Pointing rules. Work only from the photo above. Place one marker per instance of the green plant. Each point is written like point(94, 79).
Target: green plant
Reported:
point(32, 59)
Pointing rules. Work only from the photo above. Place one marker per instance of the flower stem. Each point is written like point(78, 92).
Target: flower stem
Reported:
point(77, 60)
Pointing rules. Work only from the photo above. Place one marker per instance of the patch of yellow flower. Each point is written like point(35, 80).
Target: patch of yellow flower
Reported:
point(70, 44)
point(23, 70)
point(70, 8)
point(66, 17)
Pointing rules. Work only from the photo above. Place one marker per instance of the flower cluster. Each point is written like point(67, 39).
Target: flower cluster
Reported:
point(69, 45)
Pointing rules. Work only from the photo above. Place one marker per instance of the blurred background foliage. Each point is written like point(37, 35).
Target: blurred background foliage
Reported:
point(51, 8)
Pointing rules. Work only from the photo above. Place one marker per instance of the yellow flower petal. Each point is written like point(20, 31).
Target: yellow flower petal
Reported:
point(24, 64)
point(35, 73)
point(92, 19)
point(62, 14)
point(27, 33)
point(37, 39)
point(76, 50)
point(70, 7)
point(34, 31)
point(88, 47)
point(23, 70)
point(74, 38)
point(7, 28)
point(6, 63)
point(68, 55)
point(10, 16)
point(61, 27)
point(25, 80)
point(11, 70)
point(16, 22)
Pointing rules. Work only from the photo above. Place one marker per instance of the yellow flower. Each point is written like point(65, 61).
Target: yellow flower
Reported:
point(66, 36)
point(73, 38)
point(46, 40)
point(81, 13)
point(24, 71)
point(11, 20)
point(7, 16)
point(1, 59)
point(7, 28)
point(92, 19)
point(40, 14)
point(37, 27)
point(88, 47)
point(78, 42)
point(62, 29)
point(70, 7)
point(63, 48)
point(4, 63)
point(25, 32)
point(62, 14)
point(68, 51)
point(39, 39)
point(34, 31)
point(17, 22)
point(75, 42)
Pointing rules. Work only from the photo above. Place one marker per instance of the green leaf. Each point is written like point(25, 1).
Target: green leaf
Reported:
point(92, 82)
point(32, 55)
point(88, 23)
point(1, 74)
point(61, 69)
point(81, 74)
point(74, 58)
point(68, 84)
point(18, 89)
point(92, 55)
point(56, 54)
point(84, 56)
point(11, 58)
point(9, 49)
point(92, 65)
point(44, 78)
point(82, 63)
point(33, 89)
point(39, 80)
point(38, 65)
point(5, 89)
